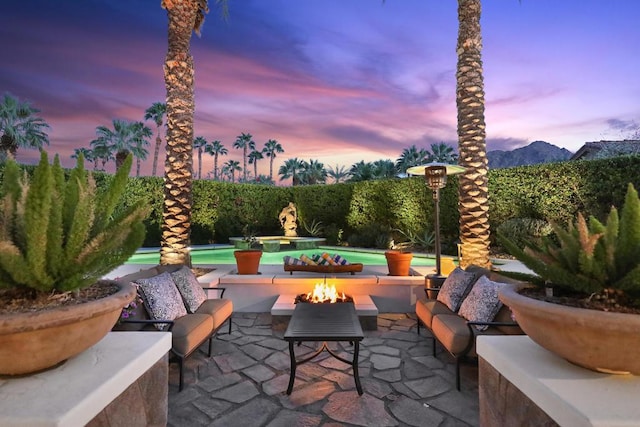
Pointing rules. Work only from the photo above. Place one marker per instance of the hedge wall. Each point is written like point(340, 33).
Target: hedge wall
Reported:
point(553, 192)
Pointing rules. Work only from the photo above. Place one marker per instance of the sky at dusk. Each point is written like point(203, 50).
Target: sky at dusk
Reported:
point(338, 81)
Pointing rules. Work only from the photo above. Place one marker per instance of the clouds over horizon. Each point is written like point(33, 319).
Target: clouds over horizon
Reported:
point(330, 80)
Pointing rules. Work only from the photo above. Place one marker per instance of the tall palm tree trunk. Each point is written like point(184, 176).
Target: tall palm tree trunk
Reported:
point(178, 74)
point(473, 183)
point(121, 156)
point(156, 152)
point(215, 167)
point(271, 168)
point(244, 160)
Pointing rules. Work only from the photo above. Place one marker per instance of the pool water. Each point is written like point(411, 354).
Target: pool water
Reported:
point(225, 256)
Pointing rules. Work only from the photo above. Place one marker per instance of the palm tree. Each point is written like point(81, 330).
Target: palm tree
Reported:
point(20, 127)
point(216, 149)
point(443, 153)
point(339, 173)
point(201, 145)
point(291, 168)
point(101, 151)
point(473, 183)
point(184, 17)
point(271, 149)
point(313, 172)
point(230, 167)
point(245, 143)
point(124, 138)
point(156, 113)
point(384, 169)
point(87, 154)
point(139, 150)
point(254, 156)
point(412, 156)
point(361, 171)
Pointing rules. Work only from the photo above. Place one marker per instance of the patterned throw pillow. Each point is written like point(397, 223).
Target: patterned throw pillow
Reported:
point(482, 304)
point(188, 286)
point(455, 287)
point(289, 260)
point(162, 298)
point(339, 260)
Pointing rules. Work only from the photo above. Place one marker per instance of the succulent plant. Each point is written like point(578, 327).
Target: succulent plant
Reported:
point(60, 234)
point(589, 256)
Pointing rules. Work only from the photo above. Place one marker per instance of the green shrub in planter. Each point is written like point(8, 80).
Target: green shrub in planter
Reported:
point(63, 235)
point(590, 257)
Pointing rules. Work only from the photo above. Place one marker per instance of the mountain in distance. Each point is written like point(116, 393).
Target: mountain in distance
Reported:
point(532, 154)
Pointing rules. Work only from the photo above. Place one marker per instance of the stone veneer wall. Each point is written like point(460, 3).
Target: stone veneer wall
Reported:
point(503, 404)
point(143, 403)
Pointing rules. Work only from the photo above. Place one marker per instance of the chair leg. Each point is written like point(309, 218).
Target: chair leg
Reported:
point(229, 325)
point(433, 347)
point(181, 369)
point(458, 373)
point(418, 325)
point(210, 346)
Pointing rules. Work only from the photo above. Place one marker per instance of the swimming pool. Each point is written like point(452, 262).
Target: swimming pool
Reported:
point(225, 256)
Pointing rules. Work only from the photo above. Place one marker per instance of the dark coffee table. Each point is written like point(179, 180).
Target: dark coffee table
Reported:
point(326, 323)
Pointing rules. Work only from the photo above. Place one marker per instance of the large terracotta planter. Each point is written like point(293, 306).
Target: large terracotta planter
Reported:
point(31, 342)
point(399, 263)
point(596, 340)
point(248, 261)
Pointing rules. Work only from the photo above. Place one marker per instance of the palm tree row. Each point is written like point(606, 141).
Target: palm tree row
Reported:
point(250, 155)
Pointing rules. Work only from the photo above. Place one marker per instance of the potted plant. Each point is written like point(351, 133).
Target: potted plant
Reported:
point(398, 262)
point(592, 317)
point(57, 238)
point(248, 260)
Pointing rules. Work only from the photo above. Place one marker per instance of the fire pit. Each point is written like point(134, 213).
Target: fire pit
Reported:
point(323, 294)
point(285, 304)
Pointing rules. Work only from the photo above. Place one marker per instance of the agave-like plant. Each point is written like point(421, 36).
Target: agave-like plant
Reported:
point(590, 256)
point(60, 234)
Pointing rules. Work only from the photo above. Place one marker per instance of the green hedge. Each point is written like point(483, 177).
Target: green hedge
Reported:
point(553, 192)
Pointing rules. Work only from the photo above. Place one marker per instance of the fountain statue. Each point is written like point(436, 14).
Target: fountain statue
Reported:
point(288, 219)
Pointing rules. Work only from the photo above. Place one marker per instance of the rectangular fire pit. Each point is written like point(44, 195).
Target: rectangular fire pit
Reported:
point(285, 304)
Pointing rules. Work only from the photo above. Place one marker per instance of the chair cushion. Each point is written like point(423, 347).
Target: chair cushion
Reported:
point(426, 309)
point(161, 298)
point(482, 304)
point(455, 287)
point(220, 309)
point(452, 332)
point(189, 332)
point(189, 287)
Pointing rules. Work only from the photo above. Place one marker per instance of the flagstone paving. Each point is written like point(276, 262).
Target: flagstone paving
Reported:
point(243, 383)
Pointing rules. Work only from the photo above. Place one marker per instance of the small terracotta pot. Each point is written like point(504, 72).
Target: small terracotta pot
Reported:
point(398, 262)
point(248, 261)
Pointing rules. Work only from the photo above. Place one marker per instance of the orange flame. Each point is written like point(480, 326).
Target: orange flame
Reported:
point(323, 292)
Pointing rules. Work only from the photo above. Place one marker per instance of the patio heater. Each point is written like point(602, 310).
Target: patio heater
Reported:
point(435, 175)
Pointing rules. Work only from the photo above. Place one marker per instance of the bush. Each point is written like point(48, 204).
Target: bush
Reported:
point(522, 230)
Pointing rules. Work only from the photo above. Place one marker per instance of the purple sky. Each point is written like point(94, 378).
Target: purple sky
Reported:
point(334, 80)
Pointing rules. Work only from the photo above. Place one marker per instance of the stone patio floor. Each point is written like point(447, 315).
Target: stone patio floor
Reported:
point(244, 381)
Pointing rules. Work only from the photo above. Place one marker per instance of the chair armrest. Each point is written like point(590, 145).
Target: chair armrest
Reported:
point(216, 289)
point(426, 291)
point(150, 321)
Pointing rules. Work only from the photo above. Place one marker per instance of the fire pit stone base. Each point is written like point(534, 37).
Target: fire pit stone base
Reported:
point(283, 309)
